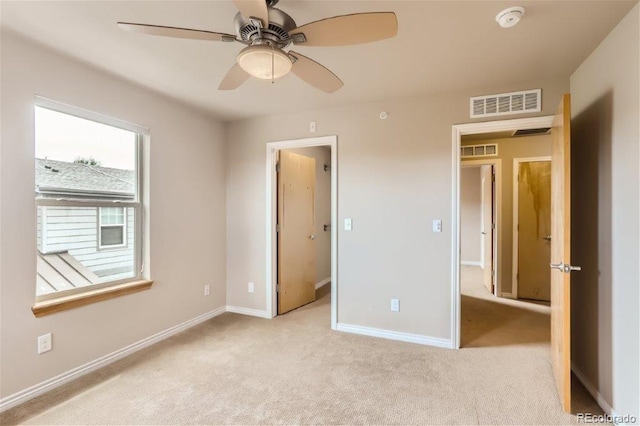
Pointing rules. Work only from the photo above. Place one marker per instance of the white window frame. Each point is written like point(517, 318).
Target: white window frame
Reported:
point(136, 203)
point(123, 225)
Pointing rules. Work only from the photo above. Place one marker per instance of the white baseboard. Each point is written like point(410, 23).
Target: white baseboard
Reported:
point(33, 391)
point(323, 282)
point(592, 390)
point(395, 335)
point(603, 403)
point(471, 263)
point(248, 311)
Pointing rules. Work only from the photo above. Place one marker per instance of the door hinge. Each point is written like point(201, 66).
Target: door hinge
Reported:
point(517, 276)
point(493, 273)
point(493, 226)
point(277, 167)
point(277, 288)
point(278, 228)
point(142, 269)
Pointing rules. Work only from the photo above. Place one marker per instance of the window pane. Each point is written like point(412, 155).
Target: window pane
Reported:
point(111, 215)
point(112, 235)
point(79, 158)
point(69, 255)
point(119, 215)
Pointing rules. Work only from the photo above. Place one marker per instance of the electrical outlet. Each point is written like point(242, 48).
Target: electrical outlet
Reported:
point(395, 305)
point(44, 343)
point(437, 225)
point(313, 126)
point(207, 290)
point(251, 288)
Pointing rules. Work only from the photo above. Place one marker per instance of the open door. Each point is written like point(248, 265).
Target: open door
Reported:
point(534, 230)
point(296, 225)
point(488, 220)
point(561, 251)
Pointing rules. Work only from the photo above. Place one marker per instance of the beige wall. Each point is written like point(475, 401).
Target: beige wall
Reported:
point(508, 149)
point(187, 199)
point(322, 194)
point(470, 215)
point(605, 211)
point(394, 178)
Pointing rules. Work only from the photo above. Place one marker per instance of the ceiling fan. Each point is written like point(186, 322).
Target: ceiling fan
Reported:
point(267, 31)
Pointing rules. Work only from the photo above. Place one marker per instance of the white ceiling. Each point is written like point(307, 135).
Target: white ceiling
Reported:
point(440, 46)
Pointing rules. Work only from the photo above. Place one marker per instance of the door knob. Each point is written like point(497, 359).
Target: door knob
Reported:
point(569, 268)
point(558, 266)
point(483, 233)
point(565, 267)
point(548, 238)
point(312, 237)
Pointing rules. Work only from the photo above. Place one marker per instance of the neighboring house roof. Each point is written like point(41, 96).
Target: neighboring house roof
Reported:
point(62, 177)
point(61, 271)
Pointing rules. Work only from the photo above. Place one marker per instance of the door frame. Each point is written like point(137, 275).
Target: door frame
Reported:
point(515, 233)
point(457, 131)
point(272, 216)
point(497, 251)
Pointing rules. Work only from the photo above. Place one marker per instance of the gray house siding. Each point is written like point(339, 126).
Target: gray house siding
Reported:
point(75, 229)
point(39, 230)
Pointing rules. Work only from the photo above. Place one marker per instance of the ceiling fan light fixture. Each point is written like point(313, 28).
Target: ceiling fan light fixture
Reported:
point(264, 62)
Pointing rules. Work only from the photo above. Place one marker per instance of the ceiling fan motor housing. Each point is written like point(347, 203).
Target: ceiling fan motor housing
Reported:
point(277, 32)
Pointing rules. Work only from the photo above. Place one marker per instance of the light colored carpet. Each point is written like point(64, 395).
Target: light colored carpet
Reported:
point(294, 369)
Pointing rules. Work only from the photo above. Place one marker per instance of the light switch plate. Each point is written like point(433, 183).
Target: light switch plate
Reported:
point(395, 305)
point(45, 343)
point(251, 288)
point(313, 126)
point(348, 225)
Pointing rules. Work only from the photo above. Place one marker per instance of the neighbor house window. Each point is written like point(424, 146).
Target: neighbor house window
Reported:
point(113, 227)
point(88, 197)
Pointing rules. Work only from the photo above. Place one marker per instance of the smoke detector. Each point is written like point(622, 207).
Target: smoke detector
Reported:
point(510, 16)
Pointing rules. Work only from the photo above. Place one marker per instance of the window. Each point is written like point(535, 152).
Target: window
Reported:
point(112, 227)
point(88, 197)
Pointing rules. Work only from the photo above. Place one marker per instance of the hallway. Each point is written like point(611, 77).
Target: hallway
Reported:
point(516, 332)
point(495, 321)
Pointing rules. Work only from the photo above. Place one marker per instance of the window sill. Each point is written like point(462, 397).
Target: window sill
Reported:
point(65, 303)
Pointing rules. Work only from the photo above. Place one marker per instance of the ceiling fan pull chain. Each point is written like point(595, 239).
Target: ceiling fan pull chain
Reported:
point(273, 80)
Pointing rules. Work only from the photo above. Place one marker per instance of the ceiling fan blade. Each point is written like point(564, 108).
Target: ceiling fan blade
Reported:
point(254, 9)
point(234, 78)
point(315, 74)
point(347, 29)
point(160, 30)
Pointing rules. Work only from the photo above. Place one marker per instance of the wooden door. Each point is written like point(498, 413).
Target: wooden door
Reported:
point(561, 252)
point(534, 230)
point(486, 173)
point(296, 225)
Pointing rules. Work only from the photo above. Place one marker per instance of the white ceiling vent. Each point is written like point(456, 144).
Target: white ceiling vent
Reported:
point(532, 132)
point(506, 103)
point(487, 150)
